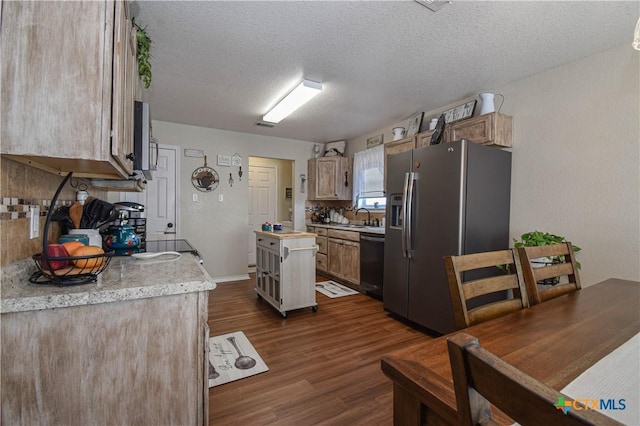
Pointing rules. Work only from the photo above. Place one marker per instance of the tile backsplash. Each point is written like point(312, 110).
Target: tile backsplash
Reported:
point(22, 187)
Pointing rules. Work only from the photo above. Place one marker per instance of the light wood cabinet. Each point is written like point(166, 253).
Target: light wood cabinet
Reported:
point(343, 255)
point(140, 361)
point(329, 178)
point(488, 129)
point(286, 271)
point(492, 129)
point(68, 80)
point(321, 242)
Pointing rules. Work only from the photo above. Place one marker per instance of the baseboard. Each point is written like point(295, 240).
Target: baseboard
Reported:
point(231, 278)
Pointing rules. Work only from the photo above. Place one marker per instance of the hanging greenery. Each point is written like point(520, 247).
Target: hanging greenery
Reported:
point(143, 55)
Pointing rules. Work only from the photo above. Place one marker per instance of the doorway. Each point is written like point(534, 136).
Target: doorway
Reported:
point(160, 195)
point(271, 200)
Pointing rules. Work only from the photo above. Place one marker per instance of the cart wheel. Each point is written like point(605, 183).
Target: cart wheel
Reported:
point(284, 314)
point(314, 308)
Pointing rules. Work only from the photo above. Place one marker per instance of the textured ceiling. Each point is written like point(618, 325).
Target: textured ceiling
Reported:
point(224, 64)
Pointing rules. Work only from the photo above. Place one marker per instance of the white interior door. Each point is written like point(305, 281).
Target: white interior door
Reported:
point(262, 202)
point(162, 193)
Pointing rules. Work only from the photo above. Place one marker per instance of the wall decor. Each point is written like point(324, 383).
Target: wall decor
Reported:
point(413, 126)
point(224, 160)
point(460, 112)
point(375, 140)
point(205, 178)
point(236, 160)
point(197, 153)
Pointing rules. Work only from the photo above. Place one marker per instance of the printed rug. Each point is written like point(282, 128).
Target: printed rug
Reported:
point(232, 357)
point(333, 289)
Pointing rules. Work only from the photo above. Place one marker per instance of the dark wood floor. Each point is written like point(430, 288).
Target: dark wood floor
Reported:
point(324, 367)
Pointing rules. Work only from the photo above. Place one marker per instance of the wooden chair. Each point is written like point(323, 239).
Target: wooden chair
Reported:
point(567, 271)
point(480, 378)
point(462, 291)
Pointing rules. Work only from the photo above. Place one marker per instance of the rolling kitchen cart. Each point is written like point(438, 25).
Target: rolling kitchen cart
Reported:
point(286, 269)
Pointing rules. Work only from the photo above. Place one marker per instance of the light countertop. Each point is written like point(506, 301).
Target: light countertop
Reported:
point(124, 279)
point(286, 233)
point(355, 228)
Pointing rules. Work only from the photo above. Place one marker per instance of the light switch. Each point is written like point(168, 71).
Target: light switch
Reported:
point(194, 198)
point(34, 223)
point(220, 197)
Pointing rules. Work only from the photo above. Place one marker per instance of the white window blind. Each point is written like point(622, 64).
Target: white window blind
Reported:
point(368, 178)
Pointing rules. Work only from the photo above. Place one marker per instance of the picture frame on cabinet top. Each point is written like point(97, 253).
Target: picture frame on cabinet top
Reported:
point(413, 126)
point(460, 112)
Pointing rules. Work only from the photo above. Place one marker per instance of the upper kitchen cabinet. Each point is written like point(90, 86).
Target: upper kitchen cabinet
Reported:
point(492, 129)
point(330, 178)
point(69, 75)
point(489, 129)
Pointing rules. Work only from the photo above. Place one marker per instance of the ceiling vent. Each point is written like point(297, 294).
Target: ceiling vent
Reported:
point(263, 124)
point(433, 5)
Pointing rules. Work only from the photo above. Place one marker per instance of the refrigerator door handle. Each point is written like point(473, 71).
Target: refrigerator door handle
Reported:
point(404, 214)
point(409, 215)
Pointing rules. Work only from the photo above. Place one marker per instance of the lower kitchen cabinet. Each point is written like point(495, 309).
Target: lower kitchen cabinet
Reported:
point(321, 241)
point(129, 362)
point(286, 269)
point(343, 254)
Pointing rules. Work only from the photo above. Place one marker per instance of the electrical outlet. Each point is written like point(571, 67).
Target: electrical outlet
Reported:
point(220, 198)
point(34, 223)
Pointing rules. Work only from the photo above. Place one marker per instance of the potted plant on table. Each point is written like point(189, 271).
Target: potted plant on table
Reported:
point(539, 238)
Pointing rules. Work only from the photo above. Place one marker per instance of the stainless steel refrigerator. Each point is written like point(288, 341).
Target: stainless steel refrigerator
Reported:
point(446, 199)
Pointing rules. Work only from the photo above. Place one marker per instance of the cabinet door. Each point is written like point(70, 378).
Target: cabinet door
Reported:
point(344, 182)
point(124, 60)
point(327, 172)
point(57, 77)
point(351, 262)
point(322, 244)
point(334, 257)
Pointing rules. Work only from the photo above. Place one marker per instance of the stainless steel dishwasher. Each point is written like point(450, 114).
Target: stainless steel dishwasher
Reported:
point(372, 264)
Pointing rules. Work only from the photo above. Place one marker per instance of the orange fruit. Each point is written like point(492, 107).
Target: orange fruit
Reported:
point(72, 246)
point(88, 251)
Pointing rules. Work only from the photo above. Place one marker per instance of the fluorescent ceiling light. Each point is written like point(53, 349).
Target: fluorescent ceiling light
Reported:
point(636, 36)
point(294, 100)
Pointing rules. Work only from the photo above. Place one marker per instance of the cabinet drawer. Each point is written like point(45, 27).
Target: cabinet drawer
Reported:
point(344, 235)
point(424, 138)
point(321, 262)
point(268, 242)
point(478, 129)
point(322, 244)
point(321, 231)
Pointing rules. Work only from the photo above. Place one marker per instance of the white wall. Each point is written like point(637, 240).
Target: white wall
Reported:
point(576, 158)
point(219, 230)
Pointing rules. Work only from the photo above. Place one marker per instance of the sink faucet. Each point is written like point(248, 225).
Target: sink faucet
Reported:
point(368, 222)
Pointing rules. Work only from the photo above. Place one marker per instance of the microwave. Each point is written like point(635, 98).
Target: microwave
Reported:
point(145, 149)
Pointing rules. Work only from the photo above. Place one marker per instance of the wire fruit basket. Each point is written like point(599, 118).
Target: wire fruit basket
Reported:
point(69, 270)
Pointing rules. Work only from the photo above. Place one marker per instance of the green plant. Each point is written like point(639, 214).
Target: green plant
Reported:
point(539, 238)
point(143, 55)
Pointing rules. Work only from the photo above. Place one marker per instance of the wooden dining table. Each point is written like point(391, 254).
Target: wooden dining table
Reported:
point(553, 342)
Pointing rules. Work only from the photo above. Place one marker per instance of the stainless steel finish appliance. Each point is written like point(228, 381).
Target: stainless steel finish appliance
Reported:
point(372, 264)
point(145, 150)
point(447, 199)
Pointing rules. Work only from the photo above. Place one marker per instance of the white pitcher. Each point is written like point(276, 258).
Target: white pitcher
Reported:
point(487, 103)
point(398, 133)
